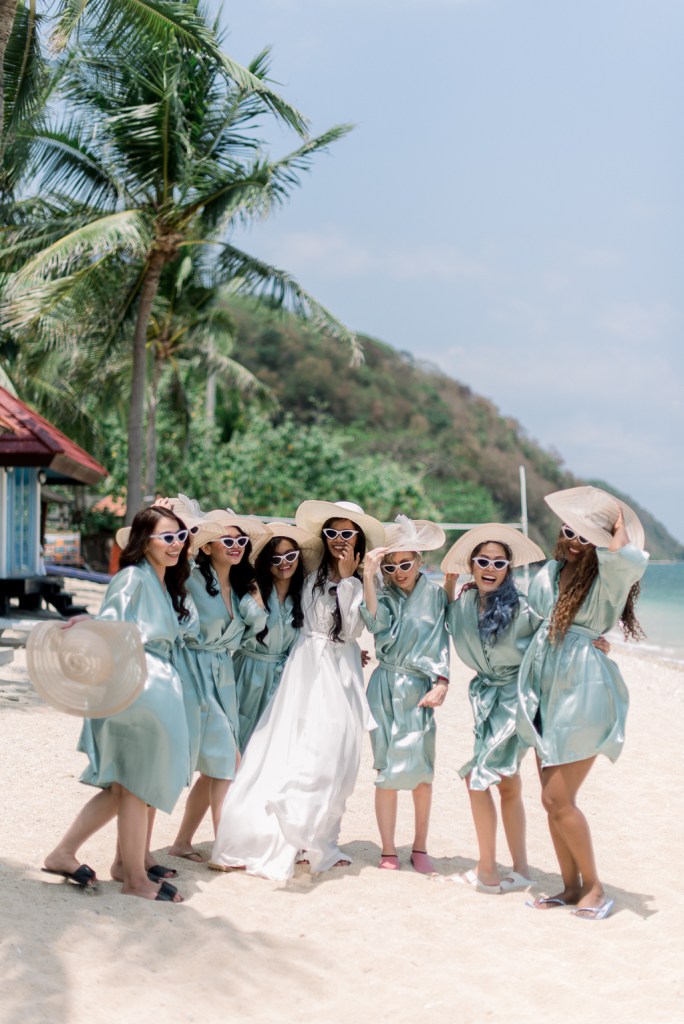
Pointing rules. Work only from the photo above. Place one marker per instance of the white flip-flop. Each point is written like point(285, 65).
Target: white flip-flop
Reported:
point(514, 880)
point(470, 878)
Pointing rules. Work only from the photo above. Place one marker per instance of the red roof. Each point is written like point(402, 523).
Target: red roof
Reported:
point(27, 439)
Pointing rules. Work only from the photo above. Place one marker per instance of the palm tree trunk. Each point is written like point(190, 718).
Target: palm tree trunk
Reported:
point(210, 403)
point(136, 413)
point(8, 10)
point(152, 403)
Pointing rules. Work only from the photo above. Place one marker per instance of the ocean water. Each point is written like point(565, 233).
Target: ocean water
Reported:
point(660, 610)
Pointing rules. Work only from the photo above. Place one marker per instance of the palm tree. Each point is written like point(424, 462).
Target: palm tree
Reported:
point(157, 159)
point(162, 20)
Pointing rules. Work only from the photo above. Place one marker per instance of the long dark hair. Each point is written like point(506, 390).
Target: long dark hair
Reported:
point(175, 576)
point(570, 601)
point(328, 563)
point(241, 576)
point(265, 582)
point(501, 605)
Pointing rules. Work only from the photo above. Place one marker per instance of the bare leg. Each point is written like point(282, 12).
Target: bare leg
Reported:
point(386, 814)
point(422, 802)
point(95, 815)
point(133, 831)
point(513, 818)
point(218, 789)
point(484, 819)
point(560, 785)
point(196, 807)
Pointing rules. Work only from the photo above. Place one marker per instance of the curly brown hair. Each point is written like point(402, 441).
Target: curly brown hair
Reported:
point(570, 601)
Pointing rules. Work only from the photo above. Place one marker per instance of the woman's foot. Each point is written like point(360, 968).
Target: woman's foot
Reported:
point(147, 890)
point(389, 862)
point(155, 872)
point(187, 852)
point(421, 862)
point(566, 898)
point(592, 898)
point(67, 865)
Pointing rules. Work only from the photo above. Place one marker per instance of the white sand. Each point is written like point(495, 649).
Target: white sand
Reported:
point(353, 945)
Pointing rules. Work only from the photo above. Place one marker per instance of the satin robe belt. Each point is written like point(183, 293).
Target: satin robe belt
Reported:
point(258, 656)
point(592, 634)
point(402, 670)
point(215, 647)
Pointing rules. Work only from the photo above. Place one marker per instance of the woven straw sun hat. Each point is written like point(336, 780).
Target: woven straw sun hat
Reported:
point(92, 669)
point(592, 512)
point(406, 534)
point(183, 508)
point(523, 550)
point(311, 515)
point(214, 524)
point(310, 546)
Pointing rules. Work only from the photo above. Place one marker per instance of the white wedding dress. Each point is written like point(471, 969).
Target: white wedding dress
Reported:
point(301, 763)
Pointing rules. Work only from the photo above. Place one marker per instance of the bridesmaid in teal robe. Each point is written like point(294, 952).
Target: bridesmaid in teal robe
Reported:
point(491, 629)
point(280, 568)
point(140, 757)
point(572, 699)
point(227, 602)
point(406, 618)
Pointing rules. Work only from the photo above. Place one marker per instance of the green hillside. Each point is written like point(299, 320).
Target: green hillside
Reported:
point(463, 452)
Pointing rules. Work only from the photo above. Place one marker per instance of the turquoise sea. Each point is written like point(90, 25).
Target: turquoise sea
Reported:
point(660, 610)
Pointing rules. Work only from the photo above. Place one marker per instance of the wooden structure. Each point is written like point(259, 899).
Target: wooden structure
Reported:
point(33, 452)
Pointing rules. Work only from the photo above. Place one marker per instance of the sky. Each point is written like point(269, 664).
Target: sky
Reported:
point(507, 207)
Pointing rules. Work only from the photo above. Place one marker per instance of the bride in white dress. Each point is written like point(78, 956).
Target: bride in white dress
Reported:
point(300, 765)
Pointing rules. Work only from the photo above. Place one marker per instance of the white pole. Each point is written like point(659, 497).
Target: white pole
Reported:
point(523, 518)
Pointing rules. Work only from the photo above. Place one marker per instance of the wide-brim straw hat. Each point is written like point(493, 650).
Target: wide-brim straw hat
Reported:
point(311, 515)
point(406, 534)
point(592, 512)
point(215, 523)
point(523, 550)
point(184, 508)
point(91, 669)
point(310, 546)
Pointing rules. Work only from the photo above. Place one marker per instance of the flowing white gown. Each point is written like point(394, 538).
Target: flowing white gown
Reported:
point(301, 763)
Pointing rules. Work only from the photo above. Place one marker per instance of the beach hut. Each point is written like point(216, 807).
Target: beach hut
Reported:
point(33, 453)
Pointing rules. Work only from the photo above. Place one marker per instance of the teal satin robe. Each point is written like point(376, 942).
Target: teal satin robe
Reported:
point(145, 748)
point(214, 730)
point(572, 698)
point(259, 666)
point(493, 692)
point(412, 648)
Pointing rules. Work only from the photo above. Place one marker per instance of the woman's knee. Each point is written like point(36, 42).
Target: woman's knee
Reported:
point(555, 803)
point(510, 788)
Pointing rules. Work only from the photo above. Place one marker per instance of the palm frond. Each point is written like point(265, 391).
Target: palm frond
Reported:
point(130, 230)
point(248, 275)
point(163, 19)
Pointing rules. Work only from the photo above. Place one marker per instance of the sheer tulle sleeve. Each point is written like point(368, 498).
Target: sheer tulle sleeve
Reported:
point(350, 598)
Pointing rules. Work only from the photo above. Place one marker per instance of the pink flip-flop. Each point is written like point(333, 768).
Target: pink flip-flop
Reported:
point(422, 863)
point(389, 861)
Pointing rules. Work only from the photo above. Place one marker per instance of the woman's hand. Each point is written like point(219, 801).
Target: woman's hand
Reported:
point(435, 697)
point(602, 644)
point(620, 535)
point(73, 620)
point(365, 658)
point(372, 562)
point(450, 585)
point(348, 562)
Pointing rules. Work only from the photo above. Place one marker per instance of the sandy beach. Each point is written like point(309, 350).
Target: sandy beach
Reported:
point(355, 944)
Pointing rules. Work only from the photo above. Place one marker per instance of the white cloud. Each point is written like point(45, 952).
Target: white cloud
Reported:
point(331, 253)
